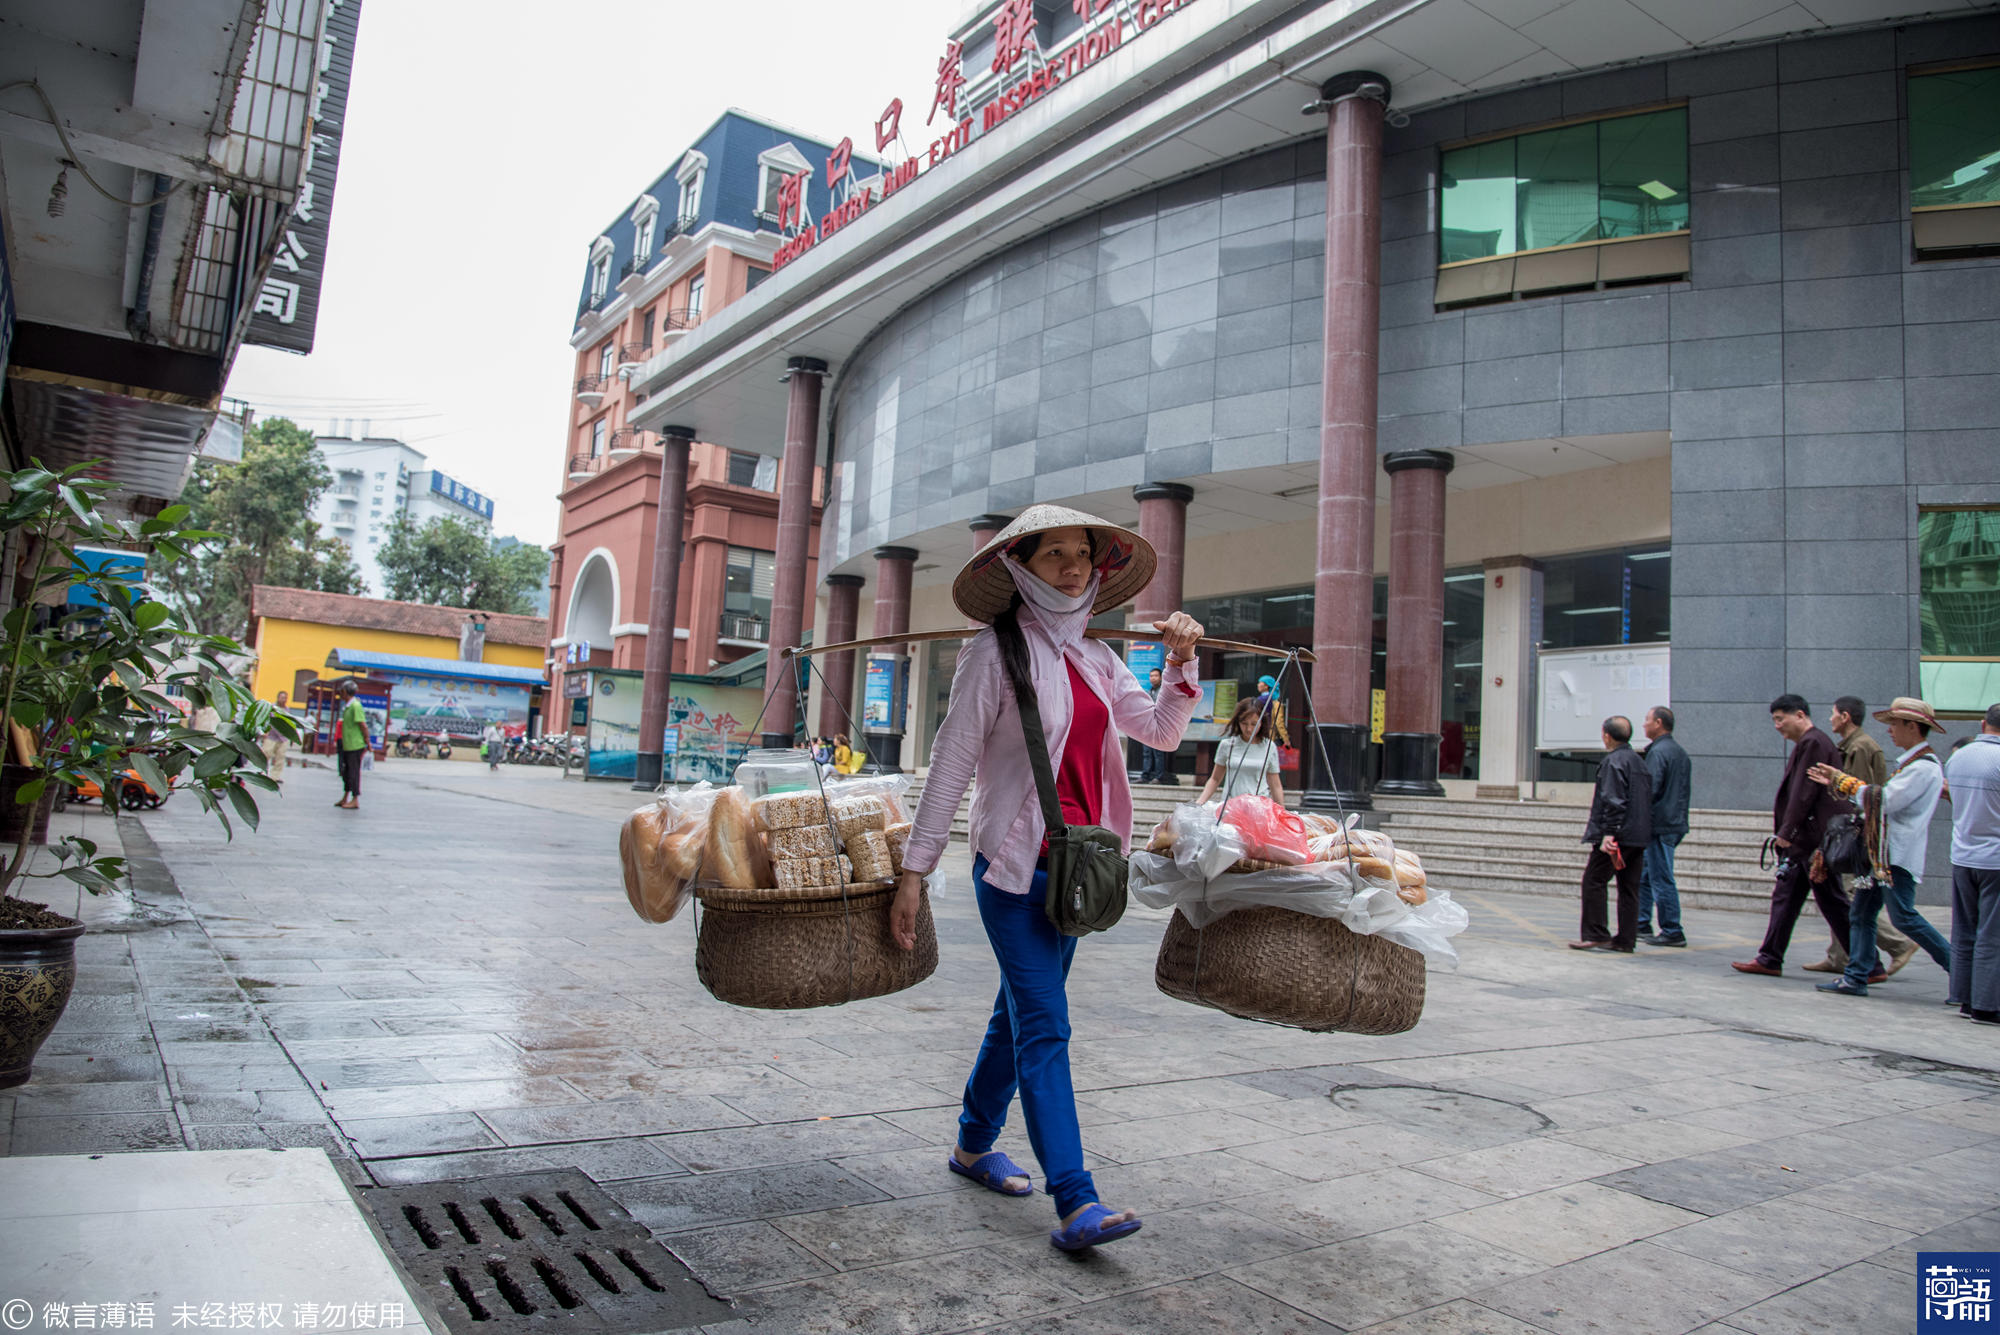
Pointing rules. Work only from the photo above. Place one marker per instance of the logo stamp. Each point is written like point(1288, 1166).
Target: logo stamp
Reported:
point(1956, 1291)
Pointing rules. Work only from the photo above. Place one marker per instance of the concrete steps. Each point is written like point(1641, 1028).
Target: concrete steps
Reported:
point(1520, 847)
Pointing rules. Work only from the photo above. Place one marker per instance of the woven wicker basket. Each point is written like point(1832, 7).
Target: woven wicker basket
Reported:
point(1293, 969)
point(785, 951)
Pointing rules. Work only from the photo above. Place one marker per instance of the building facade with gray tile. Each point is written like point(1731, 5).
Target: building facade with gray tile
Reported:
point(1760, 432)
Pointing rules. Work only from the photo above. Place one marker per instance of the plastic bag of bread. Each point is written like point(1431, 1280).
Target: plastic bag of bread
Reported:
point(734, 856)
point(897, 836)
point(789, 811)
point(870, 852)
point(660, 849)
point(892, 790)
point(1269, 832)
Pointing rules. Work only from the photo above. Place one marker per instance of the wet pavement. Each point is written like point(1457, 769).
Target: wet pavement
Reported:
point(449, 983)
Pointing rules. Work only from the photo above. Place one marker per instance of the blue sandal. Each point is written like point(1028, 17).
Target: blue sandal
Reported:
point(1088, 1230)
point(991, 1171)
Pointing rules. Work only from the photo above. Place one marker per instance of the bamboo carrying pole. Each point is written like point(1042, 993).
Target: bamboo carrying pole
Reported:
point(1136, 636)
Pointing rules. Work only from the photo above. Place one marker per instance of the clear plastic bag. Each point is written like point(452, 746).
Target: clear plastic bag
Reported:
point(1368, 887)
point(893, 789)
point(1268, 831)
point(660, 847)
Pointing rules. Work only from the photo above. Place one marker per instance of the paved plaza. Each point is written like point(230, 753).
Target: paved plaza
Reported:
point(450, 983)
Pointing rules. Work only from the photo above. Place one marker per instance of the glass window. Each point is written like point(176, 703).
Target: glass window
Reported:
point(1555, 186)
point(646, 327)
point(600, 277)
point(691, 195)
point(1958, 571)
point(756, 276)
point(697, 288)
point(605, 356)
point(644, 245)
point(597, 438)
point(1642, 175)
point(1955, 138)
point(1606, 598)
point(753, 470)
point(769, 179)
point(747, 582)
point(1479, 201)
point(1621, 177)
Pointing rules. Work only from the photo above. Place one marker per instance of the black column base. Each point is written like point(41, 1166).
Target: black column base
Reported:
point(647, 770)
point(1336, 759)
point(1410, 764)
point(777, 741)
point(885, 754)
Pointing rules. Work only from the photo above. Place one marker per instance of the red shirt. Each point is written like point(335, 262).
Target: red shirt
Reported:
point(1080, 778)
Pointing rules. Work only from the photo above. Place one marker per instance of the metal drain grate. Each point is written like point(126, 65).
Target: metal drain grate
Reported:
point(538, 1252)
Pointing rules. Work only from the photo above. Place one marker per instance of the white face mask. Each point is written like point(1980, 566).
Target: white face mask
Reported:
point(1062, 616)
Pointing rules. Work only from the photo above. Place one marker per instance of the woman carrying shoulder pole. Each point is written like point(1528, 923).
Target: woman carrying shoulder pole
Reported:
point(1036, 586)
point(1247, 759)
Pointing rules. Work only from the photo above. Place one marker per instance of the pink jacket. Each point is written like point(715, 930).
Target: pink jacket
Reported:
point(981, 735)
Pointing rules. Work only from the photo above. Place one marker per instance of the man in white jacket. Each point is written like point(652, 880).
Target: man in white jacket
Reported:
point(1897, 820)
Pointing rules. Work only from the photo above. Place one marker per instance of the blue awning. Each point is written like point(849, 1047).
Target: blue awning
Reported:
point(365, 661)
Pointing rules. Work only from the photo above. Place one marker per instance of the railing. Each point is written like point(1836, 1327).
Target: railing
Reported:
point(638, 264)
point(744, 628)
point(679, 320)
point(582, 466)
point(625, 438)
point(591, 385)
point(634, 352)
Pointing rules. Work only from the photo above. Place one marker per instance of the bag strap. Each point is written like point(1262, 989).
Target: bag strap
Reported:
point(1038, 757)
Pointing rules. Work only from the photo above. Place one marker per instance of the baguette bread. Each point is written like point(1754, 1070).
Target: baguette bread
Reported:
point(735, 856)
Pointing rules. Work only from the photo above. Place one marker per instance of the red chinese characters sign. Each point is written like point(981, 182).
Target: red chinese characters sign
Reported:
point(1015, 41)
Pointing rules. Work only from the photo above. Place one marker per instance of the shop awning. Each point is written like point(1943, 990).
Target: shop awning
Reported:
point(362, 660)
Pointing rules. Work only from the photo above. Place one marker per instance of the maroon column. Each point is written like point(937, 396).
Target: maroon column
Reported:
point(788, 592)
point(1163, 523)
point(1344, 582)
point(843, 612)
point(894, 568)
point(983, 529)
point(1410, 737)
point(657, 687)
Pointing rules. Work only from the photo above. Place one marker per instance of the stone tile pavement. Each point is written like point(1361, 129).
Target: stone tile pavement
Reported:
point(449, 983)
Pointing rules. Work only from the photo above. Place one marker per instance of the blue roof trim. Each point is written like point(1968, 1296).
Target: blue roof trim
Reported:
point(439, 667)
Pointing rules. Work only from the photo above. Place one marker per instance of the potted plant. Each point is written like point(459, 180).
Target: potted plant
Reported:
point(83, 693)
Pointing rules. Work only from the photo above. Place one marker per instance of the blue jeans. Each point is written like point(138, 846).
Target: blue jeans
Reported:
point(1901, 894)
point(1027, 1041)
point(1657, 888)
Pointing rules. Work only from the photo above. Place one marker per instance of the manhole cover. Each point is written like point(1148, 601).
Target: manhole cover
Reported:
point(1472, 1120)
point(537, 1252)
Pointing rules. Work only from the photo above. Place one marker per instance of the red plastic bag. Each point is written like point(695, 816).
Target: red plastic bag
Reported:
point(1269, 832)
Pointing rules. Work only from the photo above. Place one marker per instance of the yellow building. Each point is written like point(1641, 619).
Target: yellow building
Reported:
point(296, 631)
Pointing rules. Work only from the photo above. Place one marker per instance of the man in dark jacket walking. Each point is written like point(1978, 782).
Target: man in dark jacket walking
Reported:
point(1621, 819)
point(1672, 775)
point(1798, 821)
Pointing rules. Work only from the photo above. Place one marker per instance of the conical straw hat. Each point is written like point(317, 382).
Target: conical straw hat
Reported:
point(1124, 561)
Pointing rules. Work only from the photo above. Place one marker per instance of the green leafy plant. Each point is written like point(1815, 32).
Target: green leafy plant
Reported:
point(89, 684)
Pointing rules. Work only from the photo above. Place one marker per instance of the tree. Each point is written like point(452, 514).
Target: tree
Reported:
point(451, 563)
point(262, 507)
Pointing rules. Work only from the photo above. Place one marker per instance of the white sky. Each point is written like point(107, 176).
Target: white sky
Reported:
point(487, 144)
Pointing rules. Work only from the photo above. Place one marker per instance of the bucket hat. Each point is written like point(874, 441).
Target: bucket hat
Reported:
point(1124, 562)
point(1910, 710)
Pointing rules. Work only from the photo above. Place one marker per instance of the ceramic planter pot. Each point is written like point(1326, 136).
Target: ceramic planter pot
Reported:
point(37, 971)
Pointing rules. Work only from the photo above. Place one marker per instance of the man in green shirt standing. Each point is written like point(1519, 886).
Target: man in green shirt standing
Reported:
point(353, 746)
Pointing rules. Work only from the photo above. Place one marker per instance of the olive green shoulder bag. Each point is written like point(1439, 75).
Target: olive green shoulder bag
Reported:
point(1087, 868)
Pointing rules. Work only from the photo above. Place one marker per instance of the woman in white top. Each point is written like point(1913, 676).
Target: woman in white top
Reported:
point(1247, 758)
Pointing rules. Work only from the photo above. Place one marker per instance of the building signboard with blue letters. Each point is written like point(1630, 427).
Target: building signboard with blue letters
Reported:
point(461, 494)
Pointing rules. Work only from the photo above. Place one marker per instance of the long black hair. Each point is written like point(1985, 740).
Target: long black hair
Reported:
point(1007, 626)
